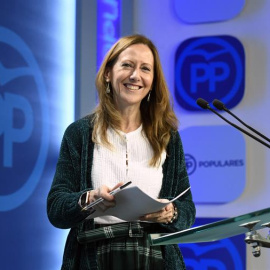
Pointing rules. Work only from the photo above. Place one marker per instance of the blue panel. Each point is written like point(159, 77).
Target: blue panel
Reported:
point(226, 254)
point(203, 11)
point(209, 67)
point(108, 26)
point(216, 163)
point(37, 42)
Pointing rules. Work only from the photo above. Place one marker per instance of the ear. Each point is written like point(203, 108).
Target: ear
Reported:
point(107, 75)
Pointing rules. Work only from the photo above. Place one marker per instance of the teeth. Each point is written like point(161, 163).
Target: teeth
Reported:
point(132, 87)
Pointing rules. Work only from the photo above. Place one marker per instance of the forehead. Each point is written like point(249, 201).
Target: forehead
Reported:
point(137, 52)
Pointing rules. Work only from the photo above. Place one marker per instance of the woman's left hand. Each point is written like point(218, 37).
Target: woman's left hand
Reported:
point(165, 215)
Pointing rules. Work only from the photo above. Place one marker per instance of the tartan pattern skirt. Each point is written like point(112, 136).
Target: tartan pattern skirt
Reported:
point(129, 253)
point(125, 246)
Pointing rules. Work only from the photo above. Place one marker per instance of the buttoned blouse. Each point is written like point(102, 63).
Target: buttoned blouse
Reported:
point(127, 160)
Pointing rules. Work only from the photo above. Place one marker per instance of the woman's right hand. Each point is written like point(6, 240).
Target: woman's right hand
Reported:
point(102, 192)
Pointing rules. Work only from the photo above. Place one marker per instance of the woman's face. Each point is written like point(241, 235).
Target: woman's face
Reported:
point(132, 75)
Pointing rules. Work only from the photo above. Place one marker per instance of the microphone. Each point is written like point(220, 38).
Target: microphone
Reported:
point(221, 106)
point(205, 105)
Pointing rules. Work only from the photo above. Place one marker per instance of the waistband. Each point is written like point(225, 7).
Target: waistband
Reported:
point(125, 229)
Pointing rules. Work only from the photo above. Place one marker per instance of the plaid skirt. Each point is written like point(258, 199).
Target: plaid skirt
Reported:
point(126, 246)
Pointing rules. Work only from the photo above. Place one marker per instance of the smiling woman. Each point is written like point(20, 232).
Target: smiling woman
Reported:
point(153, 105)
point(131, 136)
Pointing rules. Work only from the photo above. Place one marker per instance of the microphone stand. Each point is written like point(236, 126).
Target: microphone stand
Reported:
point(219, 105)
point(205, 105)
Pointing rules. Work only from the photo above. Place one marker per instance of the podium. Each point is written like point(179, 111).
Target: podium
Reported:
point(225, 228)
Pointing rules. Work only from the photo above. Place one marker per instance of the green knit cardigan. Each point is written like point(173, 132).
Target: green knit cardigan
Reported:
point(73, 178)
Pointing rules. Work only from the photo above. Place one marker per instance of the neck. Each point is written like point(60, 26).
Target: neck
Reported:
point(131, 120)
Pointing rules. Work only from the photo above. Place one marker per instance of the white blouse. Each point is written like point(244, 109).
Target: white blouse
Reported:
point(127, 161)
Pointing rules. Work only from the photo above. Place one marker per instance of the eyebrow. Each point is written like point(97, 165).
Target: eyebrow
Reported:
point(144, 63)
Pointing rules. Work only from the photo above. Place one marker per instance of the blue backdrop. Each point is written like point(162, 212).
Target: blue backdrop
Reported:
point(36, 104)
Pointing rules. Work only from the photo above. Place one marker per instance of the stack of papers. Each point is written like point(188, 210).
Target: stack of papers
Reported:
point(132, 203)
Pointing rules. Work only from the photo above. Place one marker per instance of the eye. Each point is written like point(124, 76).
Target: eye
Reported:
point(146, 68)
point(126, 65)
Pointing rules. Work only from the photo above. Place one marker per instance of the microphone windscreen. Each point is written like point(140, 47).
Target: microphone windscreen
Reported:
point(202, 103)
point(218, 104)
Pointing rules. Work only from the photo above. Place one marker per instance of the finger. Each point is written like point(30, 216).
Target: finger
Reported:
point(163, 200)
point(103, 206)
point(153, 216)
point(117, 186)
point(169, 207)
point(94, 195)
point(105, 193)
point(162, 216)
point(165, 216)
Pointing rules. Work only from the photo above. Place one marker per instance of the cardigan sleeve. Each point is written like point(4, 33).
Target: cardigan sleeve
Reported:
point(175, 181)
point(62, 203)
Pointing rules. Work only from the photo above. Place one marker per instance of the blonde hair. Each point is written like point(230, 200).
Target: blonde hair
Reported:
point(158, 117)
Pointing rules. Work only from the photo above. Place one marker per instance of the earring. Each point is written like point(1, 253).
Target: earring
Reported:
point(148, 98)
point(108, 89)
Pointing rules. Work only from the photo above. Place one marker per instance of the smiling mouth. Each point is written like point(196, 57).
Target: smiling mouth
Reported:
point(132, 87)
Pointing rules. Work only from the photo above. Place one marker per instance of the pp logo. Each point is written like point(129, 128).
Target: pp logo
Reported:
point(24, 131)
point(191, 164)
point(229, 253)
point(209, 67)
point(223, 254)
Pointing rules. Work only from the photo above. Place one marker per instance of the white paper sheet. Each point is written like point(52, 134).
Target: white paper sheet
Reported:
point(132, 203)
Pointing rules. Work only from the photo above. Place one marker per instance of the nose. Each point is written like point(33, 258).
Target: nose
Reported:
point(135, 75)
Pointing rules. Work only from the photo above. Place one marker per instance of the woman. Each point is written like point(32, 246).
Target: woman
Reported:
point(131, 136)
